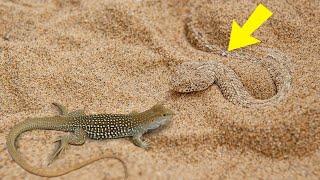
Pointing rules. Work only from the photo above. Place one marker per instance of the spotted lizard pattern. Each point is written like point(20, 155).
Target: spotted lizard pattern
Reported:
point(81, 126)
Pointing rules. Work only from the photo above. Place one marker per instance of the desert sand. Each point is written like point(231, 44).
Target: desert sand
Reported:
point(108, 57)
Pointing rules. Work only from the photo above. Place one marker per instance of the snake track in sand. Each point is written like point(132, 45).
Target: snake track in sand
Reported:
point(196, 76)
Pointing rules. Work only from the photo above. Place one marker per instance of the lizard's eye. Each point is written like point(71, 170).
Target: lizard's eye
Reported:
point(163, 114)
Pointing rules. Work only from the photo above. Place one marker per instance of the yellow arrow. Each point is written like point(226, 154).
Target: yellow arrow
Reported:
point(241, 36)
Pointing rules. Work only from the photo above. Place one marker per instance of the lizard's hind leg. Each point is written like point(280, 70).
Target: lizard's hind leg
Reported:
point(78, 137)
point(76, 113)
point(64, 111)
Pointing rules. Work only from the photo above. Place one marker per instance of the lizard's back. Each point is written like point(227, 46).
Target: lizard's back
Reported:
point(106, 126)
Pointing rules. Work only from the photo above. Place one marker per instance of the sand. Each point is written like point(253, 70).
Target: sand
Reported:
point(118, 57)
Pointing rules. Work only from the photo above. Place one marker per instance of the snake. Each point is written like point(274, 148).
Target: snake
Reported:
point(193, 76)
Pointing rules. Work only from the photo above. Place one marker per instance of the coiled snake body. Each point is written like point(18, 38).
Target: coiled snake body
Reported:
point(197, 76)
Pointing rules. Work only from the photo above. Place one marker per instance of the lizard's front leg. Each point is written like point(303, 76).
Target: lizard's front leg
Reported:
point(136, 139)
point(78, 137)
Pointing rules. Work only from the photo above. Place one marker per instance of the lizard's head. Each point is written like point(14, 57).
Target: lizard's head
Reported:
point(158, 116)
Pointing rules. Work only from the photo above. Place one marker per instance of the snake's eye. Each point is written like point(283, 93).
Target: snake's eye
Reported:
point(163, 114)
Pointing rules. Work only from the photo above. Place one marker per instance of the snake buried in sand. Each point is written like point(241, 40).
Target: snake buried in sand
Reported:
point(197, 76)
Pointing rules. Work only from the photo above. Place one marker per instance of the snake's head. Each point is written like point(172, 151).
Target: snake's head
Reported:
point(192, 76)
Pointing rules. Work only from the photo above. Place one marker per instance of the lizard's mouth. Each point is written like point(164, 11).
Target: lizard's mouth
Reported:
point(166, 121)
point(160, 121)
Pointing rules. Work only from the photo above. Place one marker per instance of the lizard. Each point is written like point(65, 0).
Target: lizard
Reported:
point(81, 127)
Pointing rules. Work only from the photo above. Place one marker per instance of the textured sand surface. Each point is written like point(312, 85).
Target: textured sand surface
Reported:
point(111, 57)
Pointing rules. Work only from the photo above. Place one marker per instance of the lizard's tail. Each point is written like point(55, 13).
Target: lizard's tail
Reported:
point(45, 123)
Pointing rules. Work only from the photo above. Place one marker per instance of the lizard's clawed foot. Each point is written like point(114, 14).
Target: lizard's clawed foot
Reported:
point(63, 145)
point(140, 143)
point(145, 144)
